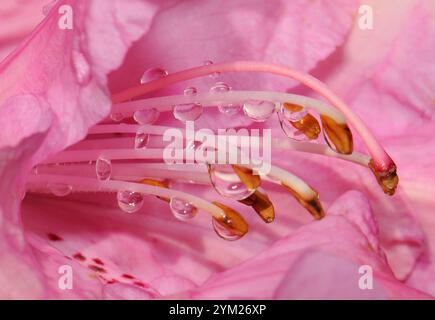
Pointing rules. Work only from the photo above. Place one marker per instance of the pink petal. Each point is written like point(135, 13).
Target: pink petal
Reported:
point(387, 75)
point(305, 264)
point(18, 19)
point(51, 91)
point(286, 32)
point(388, 70)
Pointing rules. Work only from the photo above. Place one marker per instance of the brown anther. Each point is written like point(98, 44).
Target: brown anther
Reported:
point(156, 183)
point(308, 125)
point(251, 181)
point(312, 204)
point(232, 220)
point(261, 203)
point(388, 180)
point(337, 135)
point(292, 107)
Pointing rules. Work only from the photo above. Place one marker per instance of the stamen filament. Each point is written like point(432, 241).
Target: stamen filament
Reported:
point(285, 144)
point(381, 160)
point(134, 172)
point(36, 182)
point(213, 99)
point(127, 154)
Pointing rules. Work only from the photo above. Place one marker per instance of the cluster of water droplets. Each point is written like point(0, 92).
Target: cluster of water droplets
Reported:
point(224, 179)
point(228, 109)
point(213, 75)
point(128, 201)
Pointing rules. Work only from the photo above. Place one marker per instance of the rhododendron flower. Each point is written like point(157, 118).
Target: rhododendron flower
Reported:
point(90, 208)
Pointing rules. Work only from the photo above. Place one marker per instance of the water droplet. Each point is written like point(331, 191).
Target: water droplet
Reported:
point(46, 8)
point(227, 182)
point(182, 210)
point(293, 112)
point(191, 91)
point(214, 75)
point(188, 111)
point(81, 67)
point(146, 116)
point(153, 74)
point(59, 189)
point(229, 109)
point(259, 111)
point(103, 168)
point(129, 201)
point(292, 132)
point(224, 232)
point(141, 140)
point(220, 87)
point(117, 116)
point(286, 117)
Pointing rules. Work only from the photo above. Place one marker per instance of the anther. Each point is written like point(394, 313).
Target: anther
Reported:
point(337, 135)
point(246, 175)
point(306, 123)
point(261, 203)
point(312, 204)
point(388, 180)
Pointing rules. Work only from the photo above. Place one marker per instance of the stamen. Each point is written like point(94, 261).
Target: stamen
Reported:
point(38, 183)
point(253, 101)
point(135, 163)
point(383, 162)
point(261, 203)
point(278, 143)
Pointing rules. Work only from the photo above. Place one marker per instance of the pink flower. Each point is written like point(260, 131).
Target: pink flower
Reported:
point(58, 84)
